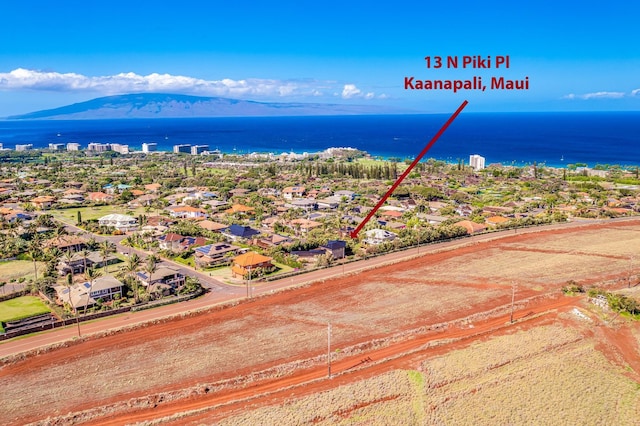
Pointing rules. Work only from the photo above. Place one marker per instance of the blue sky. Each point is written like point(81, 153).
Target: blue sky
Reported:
point(578, 55)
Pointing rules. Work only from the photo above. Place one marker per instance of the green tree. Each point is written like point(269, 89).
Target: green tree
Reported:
point(106, 248)
point(131, 268)
point(85, 254)
point(90, 274)
point(35, 251)
point(151, 266)
point(126, 196)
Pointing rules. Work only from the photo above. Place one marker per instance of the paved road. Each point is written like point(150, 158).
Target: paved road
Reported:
point(222, 293)
point(206, 280)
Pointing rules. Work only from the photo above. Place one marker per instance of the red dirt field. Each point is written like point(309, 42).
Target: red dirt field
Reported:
point(263, 351)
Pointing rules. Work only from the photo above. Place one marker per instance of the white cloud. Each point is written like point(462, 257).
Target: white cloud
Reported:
point(603, 95)
point(597, 95)
point(350, 90)
point(635, 92)
point(25, 79)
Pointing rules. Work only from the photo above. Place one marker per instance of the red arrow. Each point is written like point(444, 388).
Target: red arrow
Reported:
point(355, 232)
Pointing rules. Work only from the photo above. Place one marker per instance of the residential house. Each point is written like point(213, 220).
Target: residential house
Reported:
point(187, 212)
point(268, 192)
point(243, 265)
point(215, 205)
point(210, 225)
point(12, 215)
point(329, 203)
point(309, 255)
point(303, 225)
point(159, 221)
point(396, 226)
point(344, 194)
point(434, 206)
point(215, 254)
point(43, 203)
point(143, 200)
point(472, 227)
point(71, 243)
point(74, 184)
point(240, 208)
point(71, 199)
point(270, 222)
point(432, 219)
point(464, 210)
point(391, 214)
point(238, 192)
point(303, 203)
point(313, 193)
point(497, 220)
point(271, 241)
point(87, 294)
point(199, 196)
point(165, 279)
point(121, 222)
point(291, 192)
point(76, 264)
point(240, 232)
point(379, 236)
point(176, 242)
point(336, 248)
point(99, 197)
point(152, 187)
point(112, 189)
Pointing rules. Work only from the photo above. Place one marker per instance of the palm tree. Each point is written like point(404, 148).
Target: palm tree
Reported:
point(92, 244)
point(53, 256)
point(68, 256)
point(130, 268)
point(90, 274)
point(150, 267)
point(106, 248)
point(34, 252)
point(85, 253)
point(59, 231)
point(45, 220)
point(69, 284)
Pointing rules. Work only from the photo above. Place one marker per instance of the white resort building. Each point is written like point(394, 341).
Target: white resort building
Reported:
point(476, 161)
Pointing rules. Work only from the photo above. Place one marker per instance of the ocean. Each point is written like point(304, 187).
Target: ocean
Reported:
point(554, 139)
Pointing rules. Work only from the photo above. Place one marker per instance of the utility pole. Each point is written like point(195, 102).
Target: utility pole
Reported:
point(249, 284)
point(78, 324)
point(329, 348)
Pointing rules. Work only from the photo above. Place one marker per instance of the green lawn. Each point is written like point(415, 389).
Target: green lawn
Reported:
point(282, 268)
point(16, 269)
point(88, 213)
point(189, 261)
point(367, 162)
point(21, 307)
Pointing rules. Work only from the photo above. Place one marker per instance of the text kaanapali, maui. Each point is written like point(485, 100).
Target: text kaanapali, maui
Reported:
point(497, 83)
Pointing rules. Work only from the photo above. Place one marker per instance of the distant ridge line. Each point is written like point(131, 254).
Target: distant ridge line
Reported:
point(167, 105)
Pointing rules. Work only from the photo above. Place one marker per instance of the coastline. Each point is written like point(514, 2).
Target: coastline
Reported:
point(519, 139)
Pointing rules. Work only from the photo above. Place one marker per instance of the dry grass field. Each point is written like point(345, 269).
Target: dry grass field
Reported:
point(281, 333)
point(545, 375)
